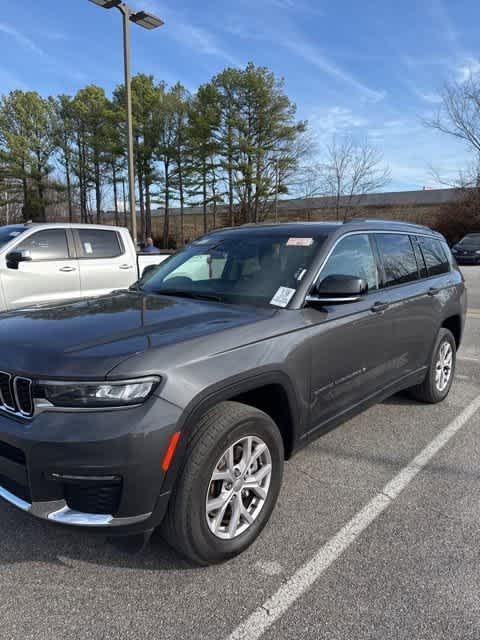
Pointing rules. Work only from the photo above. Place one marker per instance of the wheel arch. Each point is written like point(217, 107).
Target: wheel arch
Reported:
point(256, 391)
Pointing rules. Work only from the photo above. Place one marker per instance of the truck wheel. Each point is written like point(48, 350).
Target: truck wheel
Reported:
point(439, 378)
point(228, 486)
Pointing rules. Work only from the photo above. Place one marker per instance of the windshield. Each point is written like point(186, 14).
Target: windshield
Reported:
point(10, 232)
point(239, 268)
point(473, 239)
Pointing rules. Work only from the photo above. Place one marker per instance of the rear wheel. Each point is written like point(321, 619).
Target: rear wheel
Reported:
point(439, 378)
point(228, 486)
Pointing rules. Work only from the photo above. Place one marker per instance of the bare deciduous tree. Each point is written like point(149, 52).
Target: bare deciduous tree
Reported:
point(459, 113)
point(459, 116)
point(349, 171)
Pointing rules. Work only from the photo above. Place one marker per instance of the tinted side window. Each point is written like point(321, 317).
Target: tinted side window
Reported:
point(353, 256)
point(398, 256)
point(99, 243)
point(50, 244)
point(435, 256)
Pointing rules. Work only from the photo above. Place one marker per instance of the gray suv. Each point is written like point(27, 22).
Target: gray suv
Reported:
point(174, 404)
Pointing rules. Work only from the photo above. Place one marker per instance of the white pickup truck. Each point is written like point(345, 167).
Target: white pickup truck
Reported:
point(54, 262)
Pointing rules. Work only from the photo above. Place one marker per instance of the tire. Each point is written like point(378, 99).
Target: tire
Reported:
point(188, 525)
point(429, 390)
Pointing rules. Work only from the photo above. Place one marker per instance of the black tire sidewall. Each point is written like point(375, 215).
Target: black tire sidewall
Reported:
point(207, 545)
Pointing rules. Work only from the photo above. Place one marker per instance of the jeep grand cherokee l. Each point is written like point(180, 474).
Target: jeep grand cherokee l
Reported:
point(175, 403)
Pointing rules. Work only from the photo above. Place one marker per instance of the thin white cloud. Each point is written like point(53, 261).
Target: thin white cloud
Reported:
point(186, 33)
point(466, 69)
point(336, 120)
point(310, 54)
point(20, 38)
point(201, 40)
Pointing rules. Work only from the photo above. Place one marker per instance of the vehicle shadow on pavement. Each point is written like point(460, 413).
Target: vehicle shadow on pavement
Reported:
point(25, 539)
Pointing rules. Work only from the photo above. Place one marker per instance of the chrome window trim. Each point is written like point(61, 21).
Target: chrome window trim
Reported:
point(369, 232)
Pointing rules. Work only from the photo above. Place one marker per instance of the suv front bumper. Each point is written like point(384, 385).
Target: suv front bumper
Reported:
point(95, 469)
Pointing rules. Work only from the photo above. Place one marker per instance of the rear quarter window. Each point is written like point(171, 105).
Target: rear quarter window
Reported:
point(436, 257)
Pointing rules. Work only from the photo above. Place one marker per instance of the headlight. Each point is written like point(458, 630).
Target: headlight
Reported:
point(477, 252)
point(96, 394)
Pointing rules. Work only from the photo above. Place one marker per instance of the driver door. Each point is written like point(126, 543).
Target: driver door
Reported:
point(351, 344)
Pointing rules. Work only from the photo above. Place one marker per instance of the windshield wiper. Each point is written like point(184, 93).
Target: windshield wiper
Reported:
point(189, 294)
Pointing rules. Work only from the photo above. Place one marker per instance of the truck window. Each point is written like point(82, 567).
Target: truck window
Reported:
point(50, 244)
point(99, 243)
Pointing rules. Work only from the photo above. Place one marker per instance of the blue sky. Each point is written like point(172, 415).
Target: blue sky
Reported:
point(371, 69)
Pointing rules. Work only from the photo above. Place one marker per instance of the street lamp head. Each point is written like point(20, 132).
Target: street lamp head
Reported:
point(107, 4)
point(146, 20)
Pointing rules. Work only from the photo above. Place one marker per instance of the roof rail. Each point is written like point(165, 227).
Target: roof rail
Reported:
point(402, 222)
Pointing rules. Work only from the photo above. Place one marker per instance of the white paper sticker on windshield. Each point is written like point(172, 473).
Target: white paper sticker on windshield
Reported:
point(282, 297)
point(299, 242)
point(88, 247)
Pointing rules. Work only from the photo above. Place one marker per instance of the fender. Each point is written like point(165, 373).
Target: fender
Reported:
point(220, 392)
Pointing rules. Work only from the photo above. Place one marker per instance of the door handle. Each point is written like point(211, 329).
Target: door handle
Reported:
point(433, 291)
point(67, 269)
point(125, 266)
point(378, 307)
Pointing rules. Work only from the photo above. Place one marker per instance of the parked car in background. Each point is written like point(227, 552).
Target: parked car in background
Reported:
point(177, 402)
point(467, 251)
point(54, 262)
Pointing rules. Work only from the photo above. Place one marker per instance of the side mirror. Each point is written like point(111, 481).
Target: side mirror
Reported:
point(15, 257)
point(338, 289)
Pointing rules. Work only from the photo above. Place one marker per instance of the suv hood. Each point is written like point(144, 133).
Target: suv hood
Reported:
point(88, 339)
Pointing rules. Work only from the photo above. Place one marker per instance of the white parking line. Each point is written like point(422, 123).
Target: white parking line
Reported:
point(273, 608)
point(469, 358)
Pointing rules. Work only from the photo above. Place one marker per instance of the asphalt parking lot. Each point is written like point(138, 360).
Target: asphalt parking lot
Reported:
point(364, 543)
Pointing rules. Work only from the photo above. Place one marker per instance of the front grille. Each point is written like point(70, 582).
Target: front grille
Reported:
point(23, 395)
point(6, 391)
point(94, 498)
point(16, 394)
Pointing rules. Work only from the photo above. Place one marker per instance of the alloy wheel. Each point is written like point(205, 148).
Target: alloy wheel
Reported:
point(238, 487)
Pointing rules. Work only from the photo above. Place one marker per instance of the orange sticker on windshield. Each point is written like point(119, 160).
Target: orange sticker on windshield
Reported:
point(299, 242)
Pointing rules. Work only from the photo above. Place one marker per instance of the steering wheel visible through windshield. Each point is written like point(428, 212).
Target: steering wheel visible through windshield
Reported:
point(255, 268)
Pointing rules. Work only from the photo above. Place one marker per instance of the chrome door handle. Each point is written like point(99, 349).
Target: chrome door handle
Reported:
point(378, 307)
point(433, 291)
point(67, 269)
point(126, 266)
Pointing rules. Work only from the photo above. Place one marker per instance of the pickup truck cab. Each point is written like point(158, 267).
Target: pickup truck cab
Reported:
point(175, 403)
point(54, 262)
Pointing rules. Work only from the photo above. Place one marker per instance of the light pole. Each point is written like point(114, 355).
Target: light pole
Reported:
point(147, 21)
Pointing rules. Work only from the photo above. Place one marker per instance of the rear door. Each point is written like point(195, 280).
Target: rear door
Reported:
point(51, 274)
point(411, 311)
point(104, 263)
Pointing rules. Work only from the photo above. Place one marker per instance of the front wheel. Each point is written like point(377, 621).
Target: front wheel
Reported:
point(439, 378)
point(228, 486)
